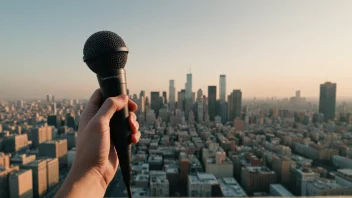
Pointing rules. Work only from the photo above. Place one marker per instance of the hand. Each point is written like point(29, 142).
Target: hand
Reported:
point(96, 158)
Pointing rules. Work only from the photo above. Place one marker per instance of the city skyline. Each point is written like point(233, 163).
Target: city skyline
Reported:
point(266, 49)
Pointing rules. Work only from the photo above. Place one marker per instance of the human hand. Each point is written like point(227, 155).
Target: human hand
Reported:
point(95, 154)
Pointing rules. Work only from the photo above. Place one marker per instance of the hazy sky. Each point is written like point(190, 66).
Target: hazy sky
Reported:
point(265, 48)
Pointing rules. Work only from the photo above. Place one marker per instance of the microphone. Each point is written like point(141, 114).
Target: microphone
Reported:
point(105, 53)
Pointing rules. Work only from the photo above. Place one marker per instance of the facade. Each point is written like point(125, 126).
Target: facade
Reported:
point(20, 184)
point(155, 101)
point(222, 85)
point(327, 100)
point(279, 191)
point(212, 102)
point(235, 105)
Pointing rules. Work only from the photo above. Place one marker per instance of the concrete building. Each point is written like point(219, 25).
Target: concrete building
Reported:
point(39, 174)
point(282, 168)
point(172, 94)
point(13, 143)
point(155, 101)
point(235, 104)
point(21, 160)
point(202, 185)
point(71, 138)
point(4, 180)
point(20, 184)
point(299, 179)
point(40, 135)
point(55, 149)
point(222, 85)
point(159, 184)
point(216, 163)
point(280, 191)
point(327, 100)
point(212, 102)
point(257, 179)
point(231, 188)
point(344, 177)
point(342, 162)
point(52, 167)
point(326, 187)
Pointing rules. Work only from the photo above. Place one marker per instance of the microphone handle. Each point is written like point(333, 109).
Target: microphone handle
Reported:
point(114, 84)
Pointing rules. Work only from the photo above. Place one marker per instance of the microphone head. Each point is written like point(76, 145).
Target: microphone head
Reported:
point(105, 51)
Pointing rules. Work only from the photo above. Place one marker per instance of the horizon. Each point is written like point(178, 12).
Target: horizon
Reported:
point(267, 49)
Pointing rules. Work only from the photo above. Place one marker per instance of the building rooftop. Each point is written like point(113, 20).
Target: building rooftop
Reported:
point(18, 172)
point(202, 178)
point(282, 190)
point(230, 187)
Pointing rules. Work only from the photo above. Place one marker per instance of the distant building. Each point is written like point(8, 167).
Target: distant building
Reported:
point(344, 177)
point(231, 188)
point(299, 179)
point(222, 85)
point(13, 143)
point(55, 149)
point(203, 185)
point(326, 187)
point(212, 102)
point(257, 179)
point(327, 100)
point(280, 191)
point(155, 101)
point(21, 184)
point(4, 180)
point(172, 94)
point(342, 162)
point(40, 135)
point(235, 105)
point(22, 159)
point(39, 174)
point(159, 184)
point(181, 96)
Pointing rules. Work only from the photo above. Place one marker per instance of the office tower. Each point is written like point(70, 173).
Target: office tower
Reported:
point(165, 97)
point(200, 111)
point(14, 143)
point(222, 84)
point(53, 98)
point(141, 94)
point(54, 149)
point(224, 111)
point(39, 174)
point(172, 92)
point(235, 104)
point(189, 86)
point(41, 134)
point(155, 102)
point(257, 179)
point(199, 95)
point(21, 183)
point(71, 138)
point(181, 99)
point(52, 167)
point(48, 97)
point(327, 100)
point(4, 180)
point(298, 94)
point(54, 120)
point(212, 102)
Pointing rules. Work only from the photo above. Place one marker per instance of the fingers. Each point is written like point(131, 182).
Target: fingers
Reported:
point(91, 109)
point(110, 106)
point(132, 106)
point(136, 135)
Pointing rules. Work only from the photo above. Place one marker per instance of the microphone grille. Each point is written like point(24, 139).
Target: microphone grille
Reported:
point(102, 52)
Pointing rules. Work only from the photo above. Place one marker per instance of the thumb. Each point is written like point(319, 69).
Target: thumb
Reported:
point(110, 106)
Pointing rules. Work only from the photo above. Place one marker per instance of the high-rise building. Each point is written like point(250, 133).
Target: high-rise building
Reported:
point(199, 95)
point(222, 84)
point(212, 102)
point(327, 100)
point(298, 94)
point(189, 86)
point(55, 149)
point(165, 97)
point(181, 99)
point(172, 96)
point(235, 104)
point(39, 175)
point(20, 183)
point(48, 97)
point(141, 94)
point(155, 101)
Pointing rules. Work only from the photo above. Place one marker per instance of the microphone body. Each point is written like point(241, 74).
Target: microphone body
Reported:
point(113, 83)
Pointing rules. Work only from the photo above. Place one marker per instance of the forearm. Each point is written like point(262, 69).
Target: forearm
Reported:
point(81, 185)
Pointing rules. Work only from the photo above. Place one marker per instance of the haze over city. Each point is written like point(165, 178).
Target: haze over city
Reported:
point(265, 48)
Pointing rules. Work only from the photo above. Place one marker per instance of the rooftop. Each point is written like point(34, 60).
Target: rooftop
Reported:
point(202, 178)
point(230, 188)
point(282, 190)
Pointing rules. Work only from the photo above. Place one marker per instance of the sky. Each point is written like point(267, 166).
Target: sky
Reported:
point(265, 48)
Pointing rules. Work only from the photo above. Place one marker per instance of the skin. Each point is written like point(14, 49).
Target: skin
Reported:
point(96, 160)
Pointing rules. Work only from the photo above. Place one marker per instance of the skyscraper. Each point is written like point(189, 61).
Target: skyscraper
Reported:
point(172, 96)
point(199, 94)
point(212, 102)
point(298, 94)
point(235, 104)
point(181, 99)
point(327, 100)
point(189, 87)
point(222, 84)
point(48, 97)
point(165, 97)
point(155, 101)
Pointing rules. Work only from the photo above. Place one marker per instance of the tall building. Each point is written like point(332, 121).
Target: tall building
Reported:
point(235, 104)
point(172, 95)
point(298, 94)
point(327, 100)
point(222, 91)
point(20, 183)
point(141, 94)
point(39, 175)
point(48, 97)
point(54, 149)
point(155, 101)
point(165, 97)
point(189, 86)
point(181, 99)
point(199, 95)
point(212, 102)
